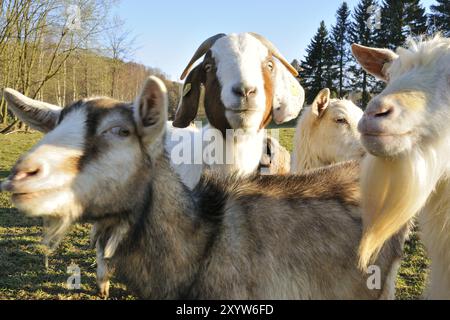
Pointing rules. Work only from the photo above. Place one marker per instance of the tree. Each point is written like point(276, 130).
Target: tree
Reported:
point(415, 17)
point(339, 40)
point(63, 50)
point(440, 16)
point(399, 20)
point(120, 45)
point(363, 33)
point(318, 64)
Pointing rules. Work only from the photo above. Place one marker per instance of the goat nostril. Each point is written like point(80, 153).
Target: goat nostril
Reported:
point(243, 91)
point(384, 113)
point(238, 90)
point(21, 175)
point(251, 91)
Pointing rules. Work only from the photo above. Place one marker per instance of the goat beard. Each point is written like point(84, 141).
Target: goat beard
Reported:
point(54, 231)
point(393, 192)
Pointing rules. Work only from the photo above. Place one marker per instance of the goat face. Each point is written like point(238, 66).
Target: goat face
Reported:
point(412, 109)
point(244, 71)
point(334, 128)
point(239, 74)
point(94, 158)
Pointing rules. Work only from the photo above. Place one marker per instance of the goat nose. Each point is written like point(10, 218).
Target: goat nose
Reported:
point(380, 110)
point(384, 112)
point(242, 90)
point(25, 172)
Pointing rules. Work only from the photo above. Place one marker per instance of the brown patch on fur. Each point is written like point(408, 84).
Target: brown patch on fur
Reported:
point(269, 90)
point(71, 165)
point(189, 104)
point(214, 108)
point(339, 182)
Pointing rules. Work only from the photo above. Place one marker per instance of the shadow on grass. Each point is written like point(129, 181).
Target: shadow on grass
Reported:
point(22, 271)
point(4, 174)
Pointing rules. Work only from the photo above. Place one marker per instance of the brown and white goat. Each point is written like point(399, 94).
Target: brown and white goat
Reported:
point(326, 133)
point(405, 129)
point(242, 81)
point(272, 237)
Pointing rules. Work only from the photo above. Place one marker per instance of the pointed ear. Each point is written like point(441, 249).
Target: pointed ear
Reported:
point(321, 102)
point(190, 100)
point(38, 115)
point(374, 61)
point(288, 97)
point(150, 110)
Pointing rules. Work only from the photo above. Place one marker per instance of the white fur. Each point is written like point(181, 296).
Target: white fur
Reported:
point(242, 155)
point(51, 155)
point(239, 59)
point(321, 141)
point(415, 141)
point(288, 95)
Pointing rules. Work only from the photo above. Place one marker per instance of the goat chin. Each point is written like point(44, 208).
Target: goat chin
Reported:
point(394, 191)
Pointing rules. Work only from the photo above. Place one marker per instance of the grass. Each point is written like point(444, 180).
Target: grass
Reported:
point(24, 276)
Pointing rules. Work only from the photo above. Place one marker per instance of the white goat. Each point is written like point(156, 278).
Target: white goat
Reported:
point(405, 129)
point(326, 133)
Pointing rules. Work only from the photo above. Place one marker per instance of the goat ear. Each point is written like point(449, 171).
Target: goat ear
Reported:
point(38, 115)
point(374, 60)
point(190, 100)
point(150, 109)
point(288, 97)
point(321, 102)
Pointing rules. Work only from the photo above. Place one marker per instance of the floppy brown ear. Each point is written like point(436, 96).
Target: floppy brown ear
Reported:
point(374, 60)
point(190, 100)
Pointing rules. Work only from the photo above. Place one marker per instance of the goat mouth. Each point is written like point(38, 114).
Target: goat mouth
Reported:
point(21, 196)
point(384, 134)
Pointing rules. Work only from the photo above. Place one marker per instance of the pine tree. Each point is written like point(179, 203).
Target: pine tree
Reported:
point(390, 34)
point(318, 64)
point(362, 33)
point(415, 17)
point(440, 16)
point(339, 40)
point(399, 20)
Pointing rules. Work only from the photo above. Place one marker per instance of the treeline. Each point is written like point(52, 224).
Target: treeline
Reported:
point(63, 50)
point(388, 23)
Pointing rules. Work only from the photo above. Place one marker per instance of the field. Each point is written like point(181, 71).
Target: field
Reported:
point(24, 276)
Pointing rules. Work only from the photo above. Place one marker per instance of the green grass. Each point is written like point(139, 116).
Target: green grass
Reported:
point(23, 274)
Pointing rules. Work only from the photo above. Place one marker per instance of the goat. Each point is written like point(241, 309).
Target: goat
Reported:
point(241, 86)
point(405, 130)
point(326, 133)
point(253, 237)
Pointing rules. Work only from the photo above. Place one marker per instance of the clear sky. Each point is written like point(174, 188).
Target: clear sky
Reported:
point(168, 32)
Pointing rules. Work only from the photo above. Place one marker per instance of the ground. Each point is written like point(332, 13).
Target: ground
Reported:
point(23, 274)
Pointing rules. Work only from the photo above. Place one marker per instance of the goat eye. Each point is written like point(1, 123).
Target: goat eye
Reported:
point(341, 121)
point(270, 65)
point(208, 67)
point(119, 131)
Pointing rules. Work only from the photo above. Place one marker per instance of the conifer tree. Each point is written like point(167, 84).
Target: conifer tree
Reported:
point(339, 40)
point(362, 32)
point(318, 64)
point(399, 20)
point(440, 16)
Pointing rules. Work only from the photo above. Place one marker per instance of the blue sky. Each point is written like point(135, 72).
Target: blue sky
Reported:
point(168, 32)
